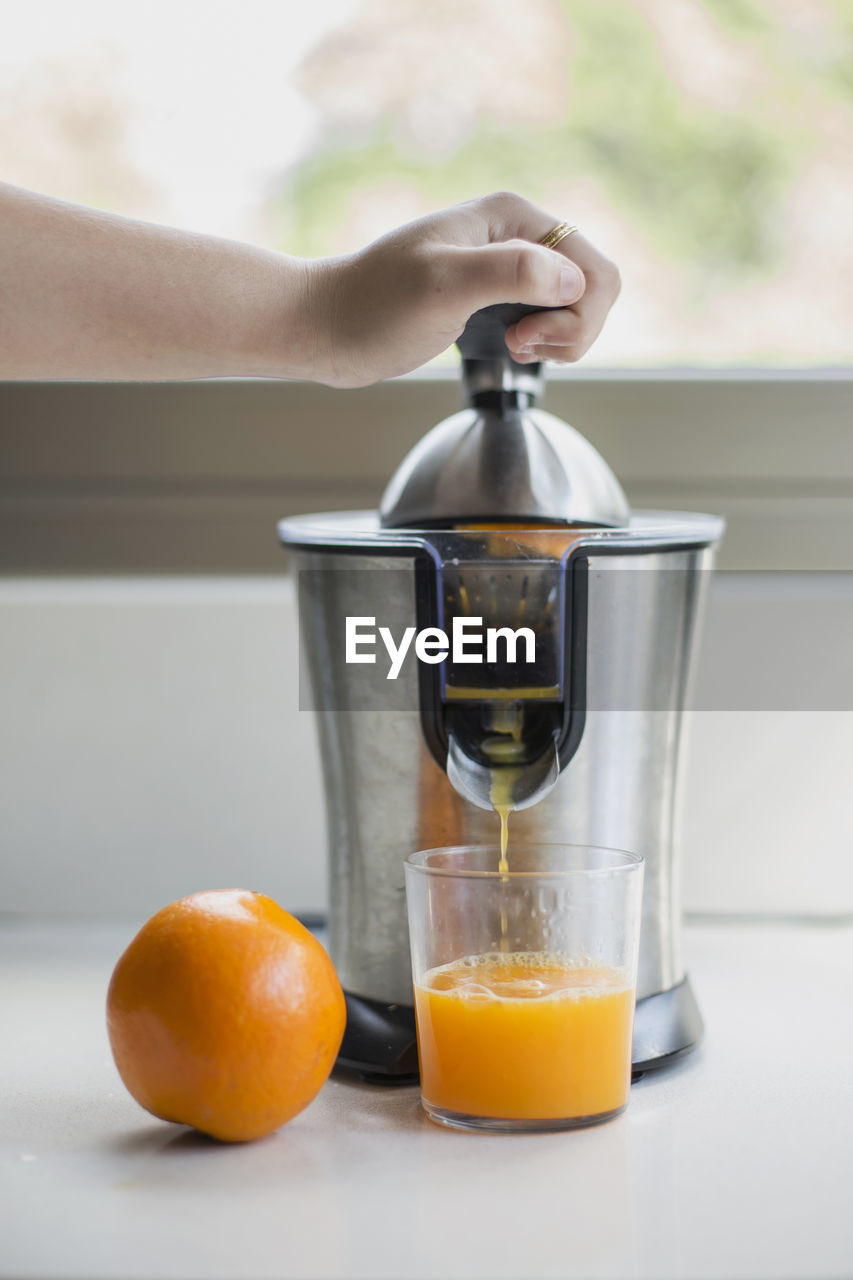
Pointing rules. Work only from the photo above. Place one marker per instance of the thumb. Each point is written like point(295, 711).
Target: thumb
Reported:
point(517, 271)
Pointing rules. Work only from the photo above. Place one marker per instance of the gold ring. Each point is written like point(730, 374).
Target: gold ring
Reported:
point(558, 233)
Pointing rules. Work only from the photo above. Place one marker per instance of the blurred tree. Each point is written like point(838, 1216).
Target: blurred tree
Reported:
point(707, 145)
point(698, 122)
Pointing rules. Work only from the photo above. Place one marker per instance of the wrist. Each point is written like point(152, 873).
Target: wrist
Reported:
point(324, 320)
point(275, 327)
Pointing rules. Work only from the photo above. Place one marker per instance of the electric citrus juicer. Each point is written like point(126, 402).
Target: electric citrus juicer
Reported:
point(501, 520)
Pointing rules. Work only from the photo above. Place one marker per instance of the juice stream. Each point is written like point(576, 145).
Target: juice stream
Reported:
point(504, 778)
point(503, 781)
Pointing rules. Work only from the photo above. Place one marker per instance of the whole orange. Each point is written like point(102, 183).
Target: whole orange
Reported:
point(225, 1013)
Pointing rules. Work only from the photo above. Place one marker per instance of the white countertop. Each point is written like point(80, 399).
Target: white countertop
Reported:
point(736, 1163)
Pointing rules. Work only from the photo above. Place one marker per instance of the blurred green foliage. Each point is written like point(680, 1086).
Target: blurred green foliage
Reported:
point(740, 17)
point(701, 182)
point(840, 70)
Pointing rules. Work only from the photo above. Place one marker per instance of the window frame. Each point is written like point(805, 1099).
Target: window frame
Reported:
point(112, 478)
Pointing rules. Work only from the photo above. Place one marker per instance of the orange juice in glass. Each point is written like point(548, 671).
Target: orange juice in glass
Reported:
point(524, 983)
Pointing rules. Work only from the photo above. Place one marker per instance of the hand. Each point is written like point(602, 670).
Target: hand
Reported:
point(394, 305)
point(88, 294)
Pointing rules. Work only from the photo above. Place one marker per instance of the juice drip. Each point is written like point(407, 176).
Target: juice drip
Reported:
point(503, 813)
point(503, 866)
point(503, 751)
point(503, 781)
point(505, 774)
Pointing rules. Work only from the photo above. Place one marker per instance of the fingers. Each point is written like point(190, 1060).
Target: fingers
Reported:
point(563, 336)
point(567, 335)
point(510, 217)
point(514, 271)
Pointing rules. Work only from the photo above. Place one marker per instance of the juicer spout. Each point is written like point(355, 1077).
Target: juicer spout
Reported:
point(501, 786)
point(503, 767)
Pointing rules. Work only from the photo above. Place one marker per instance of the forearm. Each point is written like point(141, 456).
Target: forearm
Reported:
point(85, 294)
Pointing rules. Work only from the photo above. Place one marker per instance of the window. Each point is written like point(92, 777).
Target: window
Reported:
point(707, 145)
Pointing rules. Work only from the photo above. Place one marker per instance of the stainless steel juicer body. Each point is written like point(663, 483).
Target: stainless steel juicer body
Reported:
point(503, 515)
point(387, 793)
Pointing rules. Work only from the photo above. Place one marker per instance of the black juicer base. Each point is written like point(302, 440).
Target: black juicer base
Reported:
point(379, 1041)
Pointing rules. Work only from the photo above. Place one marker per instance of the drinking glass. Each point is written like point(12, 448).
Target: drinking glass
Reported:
point(525, 983)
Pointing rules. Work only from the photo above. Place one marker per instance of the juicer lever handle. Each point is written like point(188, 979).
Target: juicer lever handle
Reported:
point(483, 336)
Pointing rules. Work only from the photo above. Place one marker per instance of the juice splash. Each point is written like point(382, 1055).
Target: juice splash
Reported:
point(525, 1036)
